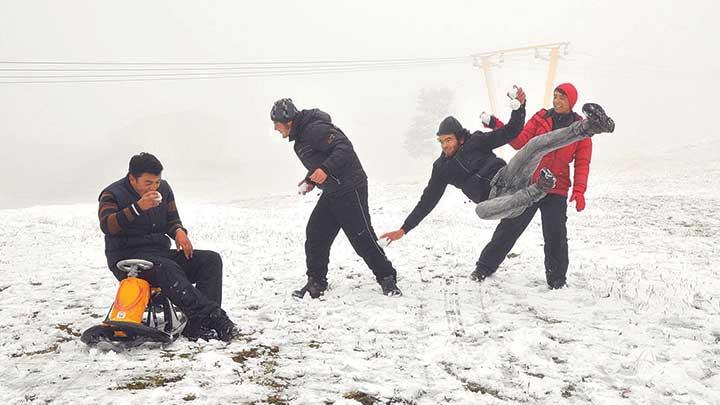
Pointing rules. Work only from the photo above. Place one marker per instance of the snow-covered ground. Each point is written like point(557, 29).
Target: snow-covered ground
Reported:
point(640, 322)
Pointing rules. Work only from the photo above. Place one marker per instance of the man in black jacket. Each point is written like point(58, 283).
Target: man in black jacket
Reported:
point(334, 167)
point(138, 216)
point(501, 190)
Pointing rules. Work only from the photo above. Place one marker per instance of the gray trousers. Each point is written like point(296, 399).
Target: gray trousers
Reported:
point(511, 191)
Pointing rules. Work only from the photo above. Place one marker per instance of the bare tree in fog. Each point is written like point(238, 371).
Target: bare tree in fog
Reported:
point(432, 106)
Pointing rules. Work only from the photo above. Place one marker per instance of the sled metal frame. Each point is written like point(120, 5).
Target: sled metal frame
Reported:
point(119, 334)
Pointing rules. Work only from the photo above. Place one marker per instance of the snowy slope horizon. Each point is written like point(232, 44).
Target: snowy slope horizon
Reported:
point(225, 186)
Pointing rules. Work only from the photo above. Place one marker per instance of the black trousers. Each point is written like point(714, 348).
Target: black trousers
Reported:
point(350, 213)
point(175, 275)
point(553, 211)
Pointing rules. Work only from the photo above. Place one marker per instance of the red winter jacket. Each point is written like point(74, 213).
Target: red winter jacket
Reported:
point(558, 161)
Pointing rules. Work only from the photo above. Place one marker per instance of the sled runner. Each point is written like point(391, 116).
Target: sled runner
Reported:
point(139, 314)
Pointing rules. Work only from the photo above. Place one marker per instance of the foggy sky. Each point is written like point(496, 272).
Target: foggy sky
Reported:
point(653, 65)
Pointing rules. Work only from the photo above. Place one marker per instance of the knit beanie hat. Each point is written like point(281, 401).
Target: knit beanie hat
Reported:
point(283, 111)
point(450, 125)
point(570, 91)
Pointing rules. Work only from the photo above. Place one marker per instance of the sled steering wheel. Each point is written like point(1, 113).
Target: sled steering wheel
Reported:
point(131, 266)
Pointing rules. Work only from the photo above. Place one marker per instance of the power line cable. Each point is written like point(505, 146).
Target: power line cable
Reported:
point(189, 76)
point(249, 63)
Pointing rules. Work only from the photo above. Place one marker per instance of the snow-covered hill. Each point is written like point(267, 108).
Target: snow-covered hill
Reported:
point(640, 322)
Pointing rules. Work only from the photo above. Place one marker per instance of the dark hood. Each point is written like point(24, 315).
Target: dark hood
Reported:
point(305, 118)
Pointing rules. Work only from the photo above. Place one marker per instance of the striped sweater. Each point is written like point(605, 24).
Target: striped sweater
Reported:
point(127, 227)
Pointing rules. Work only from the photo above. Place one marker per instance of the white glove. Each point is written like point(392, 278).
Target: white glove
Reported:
point(485, 118)
point(512, 95)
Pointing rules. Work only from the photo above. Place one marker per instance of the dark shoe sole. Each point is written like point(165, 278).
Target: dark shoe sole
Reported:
point(301, 294)
point(389, 287)
point(479, 277)
point(229, 336)
point(548, 176)
point(207, 336)
point(598, 118)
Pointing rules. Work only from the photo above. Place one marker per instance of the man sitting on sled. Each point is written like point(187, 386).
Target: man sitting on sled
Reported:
point(138, 216)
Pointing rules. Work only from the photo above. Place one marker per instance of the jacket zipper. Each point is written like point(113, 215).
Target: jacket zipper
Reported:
point(462, 165)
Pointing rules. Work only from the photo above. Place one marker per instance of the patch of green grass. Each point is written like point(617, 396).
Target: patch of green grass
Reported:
point(51, 349)
point(475, 387)
point(362, 397)
point(536, 375)
point(276, 400)
point(65, 327)
point(567, 391)
point(401, 401)
point(148, 382)
point(244, 355)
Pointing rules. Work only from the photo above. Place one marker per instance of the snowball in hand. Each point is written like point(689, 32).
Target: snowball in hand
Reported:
point(303, 188)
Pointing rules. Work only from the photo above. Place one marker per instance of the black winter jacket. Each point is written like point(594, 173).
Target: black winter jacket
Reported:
point(320, 144)
point(471, 168)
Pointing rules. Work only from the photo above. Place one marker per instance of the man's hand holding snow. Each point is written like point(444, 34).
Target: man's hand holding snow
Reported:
point(517, 97)
point(485, 118)
point(151, 199)
point(305, 187)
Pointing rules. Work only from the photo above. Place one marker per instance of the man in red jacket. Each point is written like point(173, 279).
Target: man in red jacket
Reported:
point(553, 207)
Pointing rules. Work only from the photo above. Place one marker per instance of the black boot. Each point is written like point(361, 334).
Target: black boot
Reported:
point(389, 286)
point(198, 328)
point(315, 287)
point(481, 273)
point(546, 180)
point(597, 119)
point(557, 284)
point(225, 328)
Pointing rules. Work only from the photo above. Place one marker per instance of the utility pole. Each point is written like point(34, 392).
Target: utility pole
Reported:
point(551, 77)
point(484, 60)
point(488, 80)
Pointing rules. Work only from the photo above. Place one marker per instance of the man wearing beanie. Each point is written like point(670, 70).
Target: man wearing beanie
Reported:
point(553, 207)
point(501, 190)
point(334, 167)
point(467, 162)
